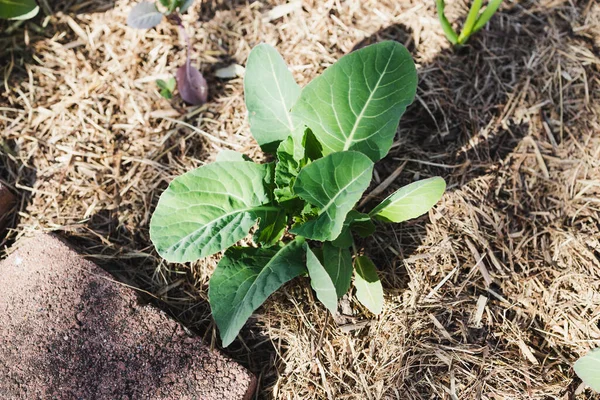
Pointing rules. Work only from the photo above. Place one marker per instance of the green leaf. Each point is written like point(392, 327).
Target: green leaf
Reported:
point(446, 26)
point(485, 16)
point(271, 226)
point(208, 209)
point(368, 286)
point(410, 201)
point(144, 15)
point(333, 184)
point(338, 264)
point(18, 9)
point(270, 91)
point(361, 224)
point(470, 21)
point(185, 4)
point(290, 154)
point(321, 281)
point(245, 278)
point(166, 87)
point(231, 155)
point(588, 369)
point(357, 102)
point(355, 222)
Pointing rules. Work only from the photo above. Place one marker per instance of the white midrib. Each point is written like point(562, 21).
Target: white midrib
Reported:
point(350, 138)
point(340, 192)
point(287, 114)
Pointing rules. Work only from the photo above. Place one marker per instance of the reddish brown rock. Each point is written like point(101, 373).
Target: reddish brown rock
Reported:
point(7, 201)
point(69, 331)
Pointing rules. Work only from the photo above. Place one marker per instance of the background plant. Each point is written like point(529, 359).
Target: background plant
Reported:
point(18, 9)
point(476, 19)
point(326, 138)
point(192, 85)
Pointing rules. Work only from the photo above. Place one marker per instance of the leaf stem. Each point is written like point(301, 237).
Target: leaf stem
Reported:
point(446, 26)
point(470, 22)
point(485, 16)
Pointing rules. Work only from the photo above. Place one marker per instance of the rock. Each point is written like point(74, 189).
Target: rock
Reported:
point(7, 201)
point(70, 331)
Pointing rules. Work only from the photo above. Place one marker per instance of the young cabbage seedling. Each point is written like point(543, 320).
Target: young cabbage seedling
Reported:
point(326, 138)
point(18, 9)
point(192, 85)
point(474, 22)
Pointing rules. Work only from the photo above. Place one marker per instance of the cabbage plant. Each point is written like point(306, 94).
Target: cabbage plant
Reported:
point(476, 19)
point(325, 139)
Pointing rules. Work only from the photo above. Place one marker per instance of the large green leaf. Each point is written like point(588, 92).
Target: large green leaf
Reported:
point(208, 209)
point(368, 286)
point(321, 281)
point(338, 264)
point(271, 227)
point(588, 369)
point(357, 102)
point(18, 9)
point(410, 201)
point(245, 278)
point(333, 184)
point(270, 91)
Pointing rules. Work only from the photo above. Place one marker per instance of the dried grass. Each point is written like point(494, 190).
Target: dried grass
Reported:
point(493, 296)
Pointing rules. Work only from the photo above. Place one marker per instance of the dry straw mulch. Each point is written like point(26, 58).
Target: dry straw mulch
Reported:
point(492, 296)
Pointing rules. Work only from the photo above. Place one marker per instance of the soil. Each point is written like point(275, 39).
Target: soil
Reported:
point(7, 202)
point(69, 331)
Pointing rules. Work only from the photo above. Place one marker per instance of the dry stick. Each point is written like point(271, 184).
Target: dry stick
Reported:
point(383, 185)
point(203, 133)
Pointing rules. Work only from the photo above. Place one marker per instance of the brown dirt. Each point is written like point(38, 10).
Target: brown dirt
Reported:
point(69, 331)
point(7, 203)
point(494, 295)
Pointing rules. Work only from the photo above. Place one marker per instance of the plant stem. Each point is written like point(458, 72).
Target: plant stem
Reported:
point(485, 16)
point(470, 22)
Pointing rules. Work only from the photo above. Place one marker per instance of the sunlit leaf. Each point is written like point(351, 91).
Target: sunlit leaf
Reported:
point(357, 102)
point(588, 369)
point(368, 286)
point(333, 184)
point(410, 201)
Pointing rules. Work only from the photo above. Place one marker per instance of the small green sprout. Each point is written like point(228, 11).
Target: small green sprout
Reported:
point(166, 87)
point(474, 22)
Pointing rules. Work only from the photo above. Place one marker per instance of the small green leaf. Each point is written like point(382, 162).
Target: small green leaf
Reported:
point(338, 264)
point(410, 201)
point(357, 102)
point(333, 184)
point(208, 209)
point(231, 155)
point(18, 9)
point(470, 21)
point(446, 26)
point(588, 369)
point(485, 16)
point(271, 226)
point(166, 87)
point(321, 281)
point(144, 15)
point(185, 4)
point(361, 224)
point(290, 154)
point(270, 91)
point(368, 286)
point(245, 278)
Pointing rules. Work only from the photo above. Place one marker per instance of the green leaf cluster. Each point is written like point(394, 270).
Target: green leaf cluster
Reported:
point(476, 19)
point(325, 139)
